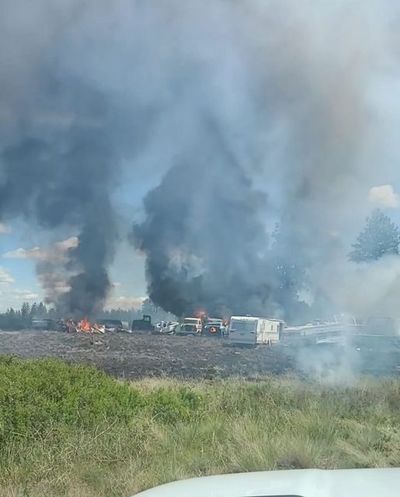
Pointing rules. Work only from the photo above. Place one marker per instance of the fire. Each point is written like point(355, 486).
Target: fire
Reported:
point(85, 326)
point(201, 314)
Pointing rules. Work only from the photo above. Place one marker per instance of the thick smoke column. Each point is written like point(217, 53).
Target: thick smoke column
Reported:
point(291, 94)
point(57, 161)
point(192, 234)
point(65, 197)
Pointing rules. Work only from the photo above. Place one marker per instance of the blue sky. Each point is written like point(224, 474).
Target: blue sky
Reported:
point(18, 279)
point(19, 282)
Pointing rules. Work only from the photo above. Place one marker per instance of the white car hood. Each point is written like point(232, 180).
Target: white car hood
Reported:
point(294, 483)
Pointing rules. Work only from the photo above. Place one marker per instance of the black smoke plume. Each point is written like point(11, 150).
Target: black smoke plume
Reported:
point(203, 211)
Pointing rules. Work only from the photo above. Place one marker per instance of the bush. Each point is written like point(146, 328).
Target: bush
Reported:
point(36, 395)
point(72, 430)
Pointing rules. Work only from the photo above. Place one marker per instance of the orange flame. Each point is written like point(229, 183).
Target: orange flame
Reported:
point(201, 314)
point(85, 326)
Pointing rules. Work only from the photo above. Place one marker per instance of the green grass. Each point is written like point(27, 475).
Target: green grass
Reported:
point(73, 431)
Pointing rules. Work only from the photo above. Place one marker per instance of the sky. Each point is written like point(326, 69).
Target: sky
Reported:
point(20, 252)
point(21, 249)
point(106, 105)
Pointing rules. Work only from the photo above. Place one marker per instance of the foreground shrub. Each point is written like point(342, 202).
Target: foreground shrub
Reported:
point(72, 430)
point(37, 395)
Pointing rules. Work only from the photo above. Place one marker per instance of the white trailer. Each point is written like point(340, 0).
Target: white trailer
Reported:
point(250, 330)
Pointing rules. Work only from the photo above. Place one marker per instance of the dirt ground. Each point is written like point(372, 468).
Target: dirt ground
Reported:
point(138, 355)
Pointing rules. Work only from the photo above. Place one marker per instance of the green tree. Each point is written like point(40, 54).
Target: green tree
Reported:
point(25, 310)
point(288, 274)
point(379, 237)
point(34, 309)
point(42, 310)
point(25, 314)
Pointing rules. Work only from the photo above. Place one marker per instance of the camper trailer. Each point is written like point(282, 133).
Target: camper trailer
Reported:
point(248, 330)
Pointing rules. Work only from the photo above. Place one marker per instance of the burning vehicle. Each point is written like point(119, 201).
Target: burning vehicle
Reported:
point(82, 326)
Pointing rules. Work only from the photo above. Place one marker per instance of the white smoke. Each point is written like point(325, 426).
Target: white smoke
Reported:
point(366, 289)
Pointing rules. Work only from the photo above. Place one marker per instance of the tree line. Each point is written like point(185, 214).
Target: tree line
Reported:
point(18, 319)
point(379, 237)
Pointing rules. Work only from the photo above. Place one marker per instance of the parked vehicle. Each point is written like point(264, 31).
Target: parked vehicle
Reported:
point(213, 327)
point(306, 482)
point(250, 330)
point(190, 326)
point(166, 327)
point(144, 324)
point(44, 324)
point(111, 324)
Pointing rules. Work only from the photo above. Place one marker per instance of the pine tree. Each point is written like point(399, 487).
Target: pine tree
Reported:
point(379, 237)
point(25, 310)
point(42, 310)
point(34, 309)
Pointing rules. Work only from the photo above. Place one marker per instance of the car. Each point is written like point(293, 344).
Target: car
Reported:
point(166, 327)
point(291, 483)
point(111, 324)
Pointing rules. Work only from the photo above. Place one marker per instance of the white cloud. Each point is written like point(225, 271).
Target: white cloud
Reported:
point(55, 252)
point(4, 229)
point(124, 302)
point(25, 295)
point(384, 196)
point(21, 253)
point(16, 297)
point(5, 277)
point(67, 244)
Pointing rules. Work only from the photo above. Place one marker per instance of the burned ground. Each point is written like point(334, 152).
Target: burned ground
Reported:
point(144, 355)
point(135, 355)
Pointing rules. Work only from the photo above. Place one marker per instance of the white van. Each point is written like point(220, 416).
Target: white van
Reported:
point(249, 330)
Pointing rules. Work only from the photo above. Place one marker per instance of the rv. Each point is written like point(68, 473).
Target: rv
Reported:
point(248, 330)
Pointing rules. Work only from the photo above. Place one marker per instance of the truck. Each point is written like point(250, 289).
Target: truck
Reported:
point(144, 324)
point(252, 330)
point(190, 326)
point(44, 324)
point(213, 327)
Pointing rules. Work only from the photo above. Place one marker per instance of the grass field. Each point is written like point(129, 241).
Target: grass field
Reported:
point(73, 431)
